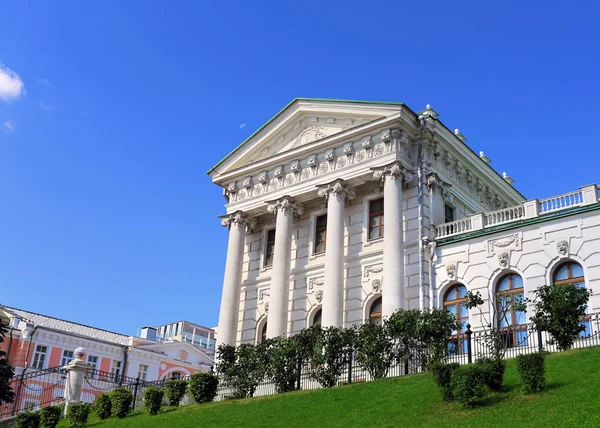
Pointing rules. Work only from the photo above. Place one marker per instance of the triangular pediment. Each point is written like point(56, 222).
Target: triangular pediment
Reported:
point(302, 123)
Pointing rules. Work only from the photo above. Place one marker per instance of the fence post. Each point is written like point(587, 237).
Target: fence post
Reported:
point(539, 340)
point(76, 371)
point(469, 333)
point(349, 360)
point(299, 373)
point(135, 391)
point(406, 366)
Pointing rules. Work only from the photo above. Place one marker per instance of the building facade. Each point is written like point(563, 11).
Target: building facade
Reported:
point(342, 211)
point(38, 342)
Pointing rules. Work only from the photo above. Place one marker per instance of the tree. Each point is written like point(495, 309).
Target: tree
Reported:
point(6, 370)
point(242, 368)
point(375, 348)
point(329, 353)
point(282, 367)
point(559, 310)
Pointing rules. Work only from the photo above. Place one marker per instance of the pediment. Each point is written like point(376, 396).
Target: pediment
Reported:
point(302, 123)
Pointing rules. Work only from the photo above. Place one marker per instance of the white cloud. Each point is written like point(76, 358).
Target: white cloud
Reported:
point(45, 82)
point(9, 126)
point(242, 126)
point(11, 85)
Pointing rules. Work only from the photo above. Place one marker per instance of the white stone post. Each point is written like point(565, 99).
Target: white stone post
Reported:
point(335, 194)
point(230, 299)
point(76, 371)
point(284, 210)
point(590, 194)
point(532, 208)
point(392, 293)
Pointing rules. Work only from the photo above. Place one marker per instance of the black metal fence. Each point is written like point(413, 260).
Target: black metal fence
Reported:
point(34, 390)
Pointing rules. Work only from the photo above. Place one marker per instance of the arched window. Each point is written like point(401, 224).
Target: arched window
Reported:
point(263, 333)
point(375, 311)
point(455, 302)
point(512, 324)
point(176, 375)
point(572, 273)
point(317, 317)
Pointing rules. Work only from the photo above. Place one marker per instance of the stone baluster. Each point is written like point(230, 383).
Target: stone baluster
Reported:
point(284, 210)
point(237, 223)
point(335, 194)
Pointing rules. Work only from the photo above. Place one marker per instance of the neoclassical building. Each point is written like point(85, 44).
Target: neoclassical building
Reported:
point(344, 211)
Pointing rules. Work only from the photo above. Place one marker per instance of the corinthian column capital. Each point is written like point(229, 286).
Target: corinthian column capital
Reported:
point(395, 170)
point(337, 187)
point(285, 204)
point(238, 217)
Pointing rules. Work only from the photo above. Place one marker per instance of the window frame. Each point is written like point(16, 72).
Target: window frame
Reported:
point(571, 280)
point(459, 337)
point(380, 214)
point(143, 374)
point(317, 230)
point(453, 208)
point(366, 218)
point(63, 360)
point(263, 252)
point(112, 367)
point(36, 362)
point(319, 313)
point(510, 333)
point(376, 315)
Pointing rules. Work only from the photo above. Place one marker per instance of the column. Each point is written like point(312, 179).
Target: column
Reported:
point(335, 195)
point(76, 371)
point(284, 210)
point(392, 177)
point(230, 299)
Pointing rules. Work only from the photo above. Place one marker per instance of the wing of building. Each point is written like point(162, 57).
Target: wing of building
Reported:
point(328, 222)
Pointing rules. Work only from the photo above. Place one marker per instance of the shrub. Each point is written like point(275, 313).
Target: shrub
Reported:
point(153, 398)
point(103, 406)
point(6, 370)
point(375, 349)
point(51, 416)
point(203, 387)
point(493, 372)
point(28, 420)
point(531, 371)
point(175, 390)
point(468, 387)
point(442, 374)
point(242, 368)
point(121, 399)
point(329, 354)
point(77, 414)
point(558, 310)
point(282, 366)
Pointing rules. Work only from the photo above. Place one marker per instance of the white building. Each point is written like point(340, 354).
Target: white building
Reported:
point(307, 196)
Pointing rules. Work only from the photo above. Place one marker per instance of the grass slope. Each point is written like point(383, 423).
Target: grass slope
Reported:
point(571, 399)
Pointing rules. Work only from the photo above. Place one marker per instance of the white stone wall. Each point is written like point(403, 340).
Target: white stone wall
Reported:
point(533, 253)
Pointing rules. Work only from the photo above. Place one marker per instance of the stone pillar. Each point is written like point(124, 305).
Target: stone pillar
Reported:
point(284, 210)
point(335, 194)
point(392, 177)
point(76, 371)
point(230, 299)
point(437, 204)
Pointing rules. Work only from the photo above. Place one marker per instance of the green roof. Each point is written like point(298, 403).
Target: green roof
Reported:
point(285, 108)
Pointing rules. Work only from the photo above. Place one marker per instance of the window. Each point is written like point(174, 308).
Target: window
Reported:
point(116, 368)
point(511, 323)
point(92, 361)
point(317, 317)
point(572, 273)
point(448, 213)
point(321, 234)
point(269, 247)
point(30, 405)
point(376, 218)
point(176, 375)
point(455, 302)
point(67, 356)
point(142, 372)
point(39, 357)
point(375, 311)
point(263, 334)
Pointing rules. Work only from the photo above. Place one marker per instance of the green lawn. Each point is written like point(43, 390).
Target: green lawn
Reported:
point(572, 399)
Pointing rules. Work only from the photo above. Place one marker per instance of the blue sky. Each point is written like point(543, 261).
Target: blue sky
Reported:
point(111, 113)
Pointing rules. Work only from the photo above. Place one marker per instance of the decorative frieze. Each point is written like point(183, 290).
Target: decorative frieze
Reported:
point(510, 242)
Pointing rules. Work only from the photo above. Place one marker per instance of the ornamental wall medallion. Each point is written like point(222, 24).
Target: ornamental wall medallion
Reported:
point(376, 285)
point(319, 295)
point(451, 270)
point(504, 259)
point(562, 247)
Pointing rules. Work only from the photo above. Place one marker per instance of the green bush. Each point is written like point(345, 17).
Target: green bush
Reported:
point(532, 372)
point(103, 406)
point(28, 420)
point(442, 374)
point(203, 387)
point(493, 372)
point(77, 414)
point(468, 387)
point(121, 399)
point(51, 416)
point(282, 367)
point(153, 398)
point(175, 390)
